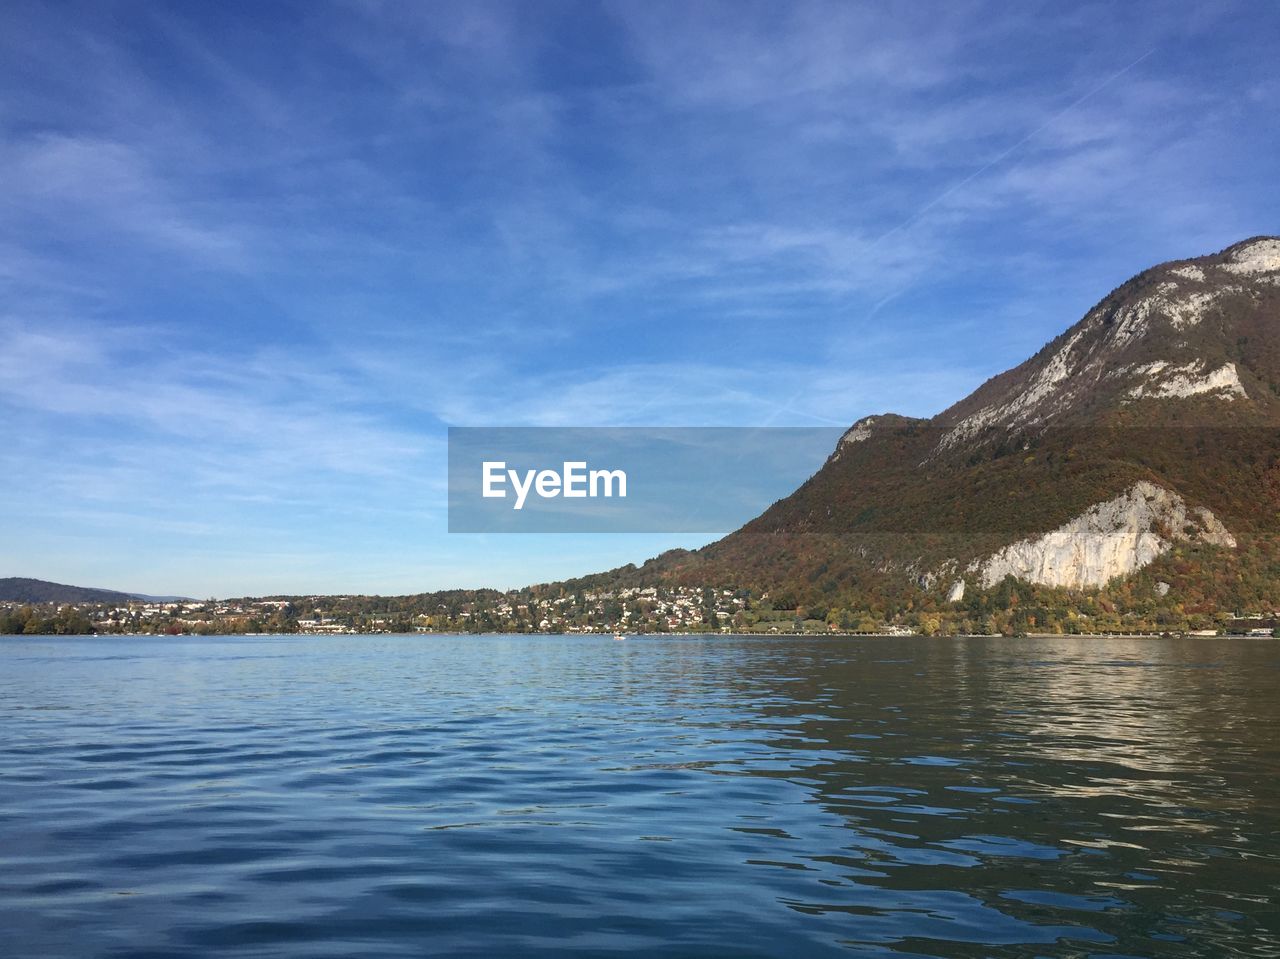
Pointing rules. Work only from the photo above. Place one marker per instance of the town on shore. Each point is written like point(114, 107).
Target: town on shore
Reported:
point(557, 609)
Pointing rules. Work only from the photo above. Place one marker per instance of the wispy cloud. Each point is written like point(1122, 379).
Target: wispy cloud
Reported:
point(287, 411)
point(102, 191)
point(250, 270)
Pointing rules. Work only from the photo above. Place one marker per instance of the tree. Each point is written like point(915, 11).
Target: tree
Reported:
point(930, 623)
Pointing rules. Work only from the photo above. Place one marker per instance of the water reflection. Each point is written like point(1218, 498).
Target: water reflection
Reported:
point(1120, 787)
point(680, 796)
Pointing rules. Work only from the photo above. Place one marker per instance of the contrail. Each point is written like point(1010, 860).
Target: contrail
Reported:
point(990, 163)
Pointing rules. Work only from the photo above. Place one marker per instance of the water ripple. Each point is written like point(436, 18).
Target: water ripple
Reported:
point(395, 796)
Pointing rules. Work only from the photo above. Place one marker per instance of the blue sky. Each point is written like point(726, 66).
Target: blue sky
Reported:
point(257, 257)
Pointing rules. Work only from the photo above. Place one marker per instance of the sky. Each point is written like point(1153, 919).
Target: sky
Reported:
point(256, 258)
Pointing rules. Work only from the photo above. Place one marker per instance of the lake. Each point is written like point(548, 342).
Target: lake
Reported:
point(680, 796)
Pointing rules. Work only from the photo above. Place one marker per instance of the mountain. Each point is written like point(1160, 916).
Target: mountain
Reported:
point(1135, 457)
point(15, 589)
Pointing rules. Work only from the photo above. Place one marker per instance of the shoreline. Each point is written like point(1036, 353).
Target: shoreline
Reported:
point(654, 635)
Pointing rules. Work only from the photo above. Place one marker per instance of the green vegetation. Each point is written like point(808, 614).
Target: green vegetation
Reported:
point(37, 621)
point(595, 606)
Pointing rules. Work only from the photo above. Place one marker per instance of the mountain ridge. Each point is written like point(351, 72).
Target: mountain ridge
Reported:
point(1160, 408)
point(22, 589)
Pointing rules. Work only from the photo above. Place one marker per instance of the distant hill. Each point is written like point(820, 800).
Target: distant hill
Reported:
point(17, 589)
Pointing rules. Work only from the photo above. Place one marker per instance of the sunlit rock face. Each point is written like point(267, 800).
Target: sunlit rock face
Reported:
point(1162, 337)
point(1254, 256)
point(1165, 381)
point(1114, 538)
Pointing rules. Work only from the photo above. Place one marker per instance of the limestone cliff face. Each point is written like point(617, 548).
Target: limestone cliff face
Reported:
point(1114, 538)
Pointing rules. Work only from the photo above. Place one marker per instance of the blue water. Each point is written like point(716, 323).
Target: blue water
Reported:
point(728, 796)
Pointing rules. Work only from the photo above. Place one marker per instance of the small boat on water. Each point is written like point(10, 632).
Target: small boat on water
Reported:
point(618, 636)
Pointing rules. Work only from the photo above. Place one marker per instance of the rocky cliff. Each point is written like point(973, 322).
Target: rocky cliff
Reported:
point(1114, 538)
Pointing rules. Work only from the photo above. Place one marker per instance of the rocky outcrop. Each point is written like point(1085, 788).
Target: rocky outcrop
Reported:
point(1259, 255)
point(1114, 538)
point(1165, 381)
point(859, 432)
point(1158, 337)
